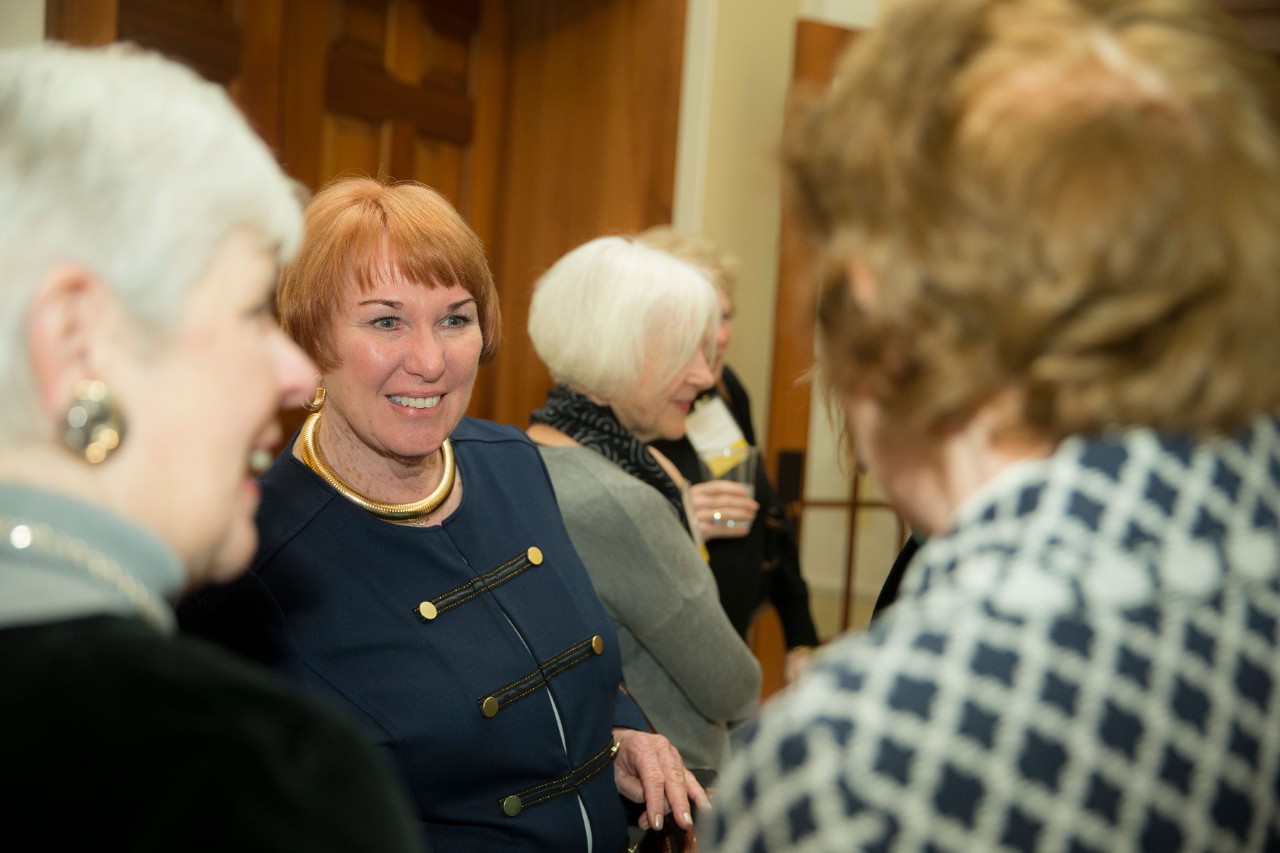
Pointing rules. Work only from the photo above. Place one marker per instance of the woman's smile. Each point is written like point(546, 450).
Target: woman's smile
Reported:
point(415, 402)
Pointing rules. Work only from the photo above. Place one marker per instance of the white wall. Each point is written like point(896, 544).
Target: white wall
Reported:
point(21, 22)
point(844, 13)
point(738, 60)
point(737, 67)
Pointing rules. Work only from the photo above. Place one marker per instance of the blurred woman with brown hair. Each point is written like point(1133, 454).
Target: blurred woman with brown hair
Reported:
point(1050, 228)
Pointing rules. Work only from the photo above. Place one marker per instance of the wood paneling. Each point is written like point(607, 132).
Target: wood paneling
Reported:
point(1260, 20)
point(818, 49)
point(88, 22)
point(546, 122)
point(202, 33)
point(593, 92)
point(378, 87)
point(261, 55)
point(357, 84)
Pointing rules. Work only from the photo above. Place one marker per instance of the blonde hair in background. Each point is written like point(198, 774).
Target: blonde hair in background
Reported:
point(1076, 201)
point(703, 252)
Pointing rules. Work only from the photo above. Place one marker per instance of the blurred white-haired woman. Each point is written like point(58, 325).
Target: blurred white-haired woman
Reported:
point(142, 371)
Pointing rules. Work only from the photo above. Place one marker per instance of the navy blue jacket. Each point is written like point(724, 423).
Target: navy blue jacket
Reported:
point(451, 642)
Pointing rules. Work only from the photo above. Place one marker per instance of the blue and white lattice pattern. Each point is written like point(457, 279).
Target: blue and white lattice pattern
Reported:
point(1087, 662)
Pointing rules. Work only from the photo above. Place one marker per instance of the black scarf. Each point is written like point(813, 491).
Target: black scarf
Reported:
point(598, 427)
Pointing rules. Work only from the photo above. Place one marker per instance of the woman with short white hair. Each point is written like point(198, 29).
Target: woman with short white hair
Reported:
point(628, 333)
point(142, 372)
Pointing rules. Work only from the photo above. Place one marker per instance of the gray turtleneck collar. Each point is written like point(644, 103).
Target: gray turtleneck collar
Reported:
point(42, 584)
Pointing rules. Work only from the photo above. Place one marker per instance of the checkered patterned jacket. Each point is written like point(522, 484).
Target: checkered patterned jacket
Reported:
point(1086, 662)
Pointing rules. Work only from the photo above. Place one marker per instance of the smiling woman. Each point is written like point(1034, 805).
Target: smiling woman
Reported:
point(414, 565)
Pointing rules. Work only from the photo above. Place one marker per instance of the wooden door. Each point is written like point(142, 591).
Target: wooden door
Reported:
point(589, 149)
point(235, 44)
point(1260, 20)
point(818, 47)
point(546, 122)
point(375, 87)
point(849, 532)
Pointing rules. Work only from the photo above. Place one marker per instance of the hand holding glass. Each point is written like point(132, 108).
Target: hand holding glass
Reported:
point(736, 463)
point(726, 510)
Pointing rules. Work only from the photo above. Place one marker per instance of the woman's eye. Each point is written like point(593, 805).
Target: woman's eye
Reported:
point(384, 323)
point(456, 320)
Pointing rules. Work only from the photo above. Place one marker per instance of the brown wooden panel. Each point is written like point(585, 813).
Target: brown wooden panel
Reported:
point(593, 91)
point(418, 49)
point(350, 146)
point(547, 122)
point(483, 194)
point(1260, 20)
point(257, 89)
point(457, 19)
point(408, 50)
point(233, 43)
point(818, 49)
point(306, 25)
point(87, 22)
point(440, 165)
point(364, 23)
point(357, 87)
point(202, 34)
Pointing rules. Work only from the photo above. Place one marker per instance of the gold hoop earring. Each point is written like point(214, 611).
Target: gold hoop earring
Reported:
point(94, 423)
point(316, 403)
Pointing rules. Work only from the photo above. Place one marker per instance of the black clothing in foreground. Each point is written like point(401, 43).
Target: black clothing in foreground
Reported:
point(889, 591)
point(121, 738)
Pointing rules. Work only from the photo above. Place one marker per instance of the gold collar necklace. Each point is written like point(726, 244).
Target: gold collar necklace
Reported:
point(408, 513)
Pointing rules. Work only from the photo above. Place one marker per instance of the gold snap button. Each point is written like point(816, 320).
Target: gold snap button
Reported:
point(511, 806)
point(427, 610)
point(535, 555)
point(489, 707)
point(597, 644)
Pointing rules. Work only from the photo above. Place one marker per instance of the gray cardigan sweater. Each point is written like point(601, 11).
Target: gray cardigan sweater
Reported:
point(681, 658)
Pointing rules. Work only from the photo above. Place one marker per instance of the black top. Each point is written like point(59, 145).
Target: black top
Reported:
point(764, 564)
point(120, 738)
point(889, 591)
